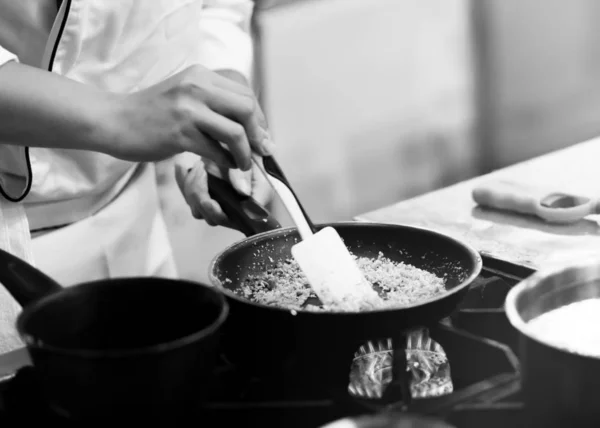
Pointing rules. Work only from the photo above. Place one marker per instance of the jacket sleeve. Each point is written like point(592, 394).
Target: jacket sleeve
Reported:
point(15, 168)
point(226, 40)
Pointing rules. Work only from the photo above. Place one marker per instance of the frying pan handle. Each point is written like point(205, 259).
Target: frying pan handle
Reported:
point(244, 213)
point(24, 282)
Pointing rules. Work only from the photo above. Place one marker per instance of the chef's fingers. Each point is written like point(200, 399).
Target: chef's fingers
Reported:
point(241, 180)
point(191, 176)
point(198, 198)
point(237, 87)
point(229, 133)
point(262, 191)
point(184, 176)
point(214, 169)
point(184, 163)
point(203, 142)
point(243, 110)
point(250, 183)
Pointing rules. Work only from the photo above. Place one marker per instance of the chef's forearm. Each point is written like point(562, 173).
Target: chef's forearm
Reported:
point(43, 109)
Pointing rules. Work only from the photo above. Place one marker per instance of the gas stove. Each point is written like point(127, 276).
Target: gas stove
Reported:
point(480, 349)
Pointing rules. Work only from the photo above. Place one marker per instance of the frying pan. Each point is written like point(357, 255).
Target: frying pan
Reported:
point(269, 339)
point(130, 347)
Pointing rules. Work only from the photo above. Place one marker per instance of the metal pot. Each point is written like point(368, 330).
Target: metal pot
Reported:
point(560, 388)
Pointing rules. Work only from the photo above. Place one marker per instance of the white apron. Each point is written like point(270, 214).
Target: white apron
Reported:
point(14, 238)
point(107, 244)
point(126, 238)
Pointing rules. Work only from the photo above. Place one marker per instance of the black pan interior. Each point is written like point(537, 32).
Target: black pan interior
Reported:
point(423, 249)
point(122, 314)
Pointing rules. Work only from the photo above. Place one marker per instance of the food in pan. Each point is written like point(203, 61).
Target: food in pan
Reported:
point(398, 284)
point(573, 327)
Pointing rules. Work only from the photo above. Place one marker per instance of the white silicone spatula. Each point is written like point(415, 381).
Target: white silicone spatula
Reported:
point(323, 257)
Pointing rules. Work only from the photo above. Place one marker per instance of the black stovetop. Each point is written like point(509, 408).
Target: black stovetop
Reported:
point(480, 345)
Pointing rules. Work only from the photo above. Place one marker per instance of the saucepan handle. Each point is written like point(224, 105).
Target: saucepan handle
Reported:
point(244, 212)
point(24, 282)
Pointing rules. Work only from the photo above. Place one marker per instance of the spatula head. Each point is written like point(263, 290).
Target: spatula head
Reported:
point(333, 273)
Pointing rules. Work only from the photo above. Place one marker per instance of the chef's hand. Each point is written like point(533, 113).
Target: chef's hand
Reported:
point(197, 111)
point(191, 171)
point(191, 174)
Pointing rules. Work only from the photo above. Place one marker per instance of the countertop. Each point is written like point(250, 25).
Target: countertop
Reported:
point(526, 241)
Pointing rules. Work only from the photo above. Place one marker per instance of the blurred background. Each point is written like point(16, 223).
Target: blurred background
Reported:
point(375, 101)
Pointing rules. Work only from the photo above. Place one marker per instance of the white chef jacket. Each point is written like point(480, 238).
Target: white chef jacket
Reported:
point(120, 46)
point(109, 206)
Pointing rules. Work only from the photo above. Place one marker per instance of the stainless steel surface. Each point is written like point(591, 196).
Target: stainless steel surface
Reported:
point(560, 386)
point(522, 240)
point(552, 288)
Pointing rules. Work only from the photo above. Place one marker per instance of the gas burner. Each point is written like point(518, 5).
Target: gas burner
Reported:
point(463, 370)
point(427, 367)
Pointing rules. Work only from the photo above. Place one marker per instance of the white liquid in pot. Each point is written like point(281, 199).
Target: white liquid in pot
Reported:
point(574, 327)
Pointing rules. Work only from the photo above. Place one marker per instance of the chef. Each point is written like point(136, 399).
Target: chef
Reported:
point(92, 92)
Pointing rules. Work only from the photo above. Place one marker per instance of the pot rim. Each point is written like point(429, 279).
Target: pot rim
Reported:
point(31, 341)
point(510, 303)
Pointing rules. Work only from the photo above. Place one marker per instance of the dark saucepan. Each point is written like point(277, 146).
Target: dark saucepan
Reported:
point(118, 346)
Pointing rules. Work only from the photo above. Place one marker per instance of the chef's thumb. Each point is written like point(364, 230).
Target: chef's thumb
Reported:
point(241, 181)
point(184, 163)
